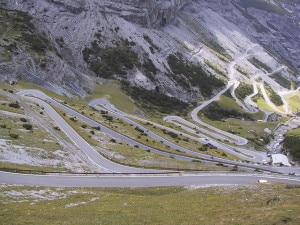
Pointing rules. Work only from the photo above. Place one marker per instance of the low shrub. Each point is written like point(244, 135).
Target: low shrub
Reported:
point(23, 120)
point(14, 105)
point(27, 126)
point(14, 136)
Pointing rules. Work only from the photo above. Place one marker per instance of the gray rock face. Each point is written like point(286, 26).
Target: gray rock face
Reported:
point(192, 28)
point(148, 12)
point(275, 27)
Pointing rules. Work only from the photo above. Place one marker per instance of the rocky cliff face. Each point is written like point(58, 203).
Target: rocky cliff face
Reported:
point(275, 25)
point(210, 33)
point(146, 12)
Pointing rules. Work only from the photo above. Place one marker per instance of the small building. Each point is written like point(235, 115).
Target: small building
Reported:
point(280, 160)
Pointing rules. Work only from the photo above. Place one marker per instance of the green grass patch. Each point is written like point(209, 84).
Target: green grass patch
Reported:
point(253, 204)
point(5, 106)
point(294, 101)
point(262, 104)
point(111, 91)
point(224, 58)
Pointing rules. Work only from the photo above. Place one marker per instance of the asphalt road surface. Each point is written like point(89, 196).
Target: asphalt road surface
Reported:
point(137, 181)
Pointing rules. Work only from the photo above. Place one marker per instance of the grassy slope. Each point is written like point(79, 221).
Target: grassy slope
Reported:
point(292, 143)
point(231, 205)
point(110, 91)
point(113, 93)
point(294, 101)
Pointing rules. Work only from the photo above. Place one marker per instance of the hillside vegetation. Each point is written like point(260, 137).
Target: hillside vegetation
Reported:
point(187, 74)
point(292, 143)
point(16, 28)
point(225, 108)
point(281, 80)
point(107, 62)
point(274, 97)
point(243, 90)
point(152, 100)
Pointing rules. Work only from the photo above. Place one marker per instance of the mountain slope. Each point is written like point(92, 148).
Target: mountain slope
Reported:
point(145, 42)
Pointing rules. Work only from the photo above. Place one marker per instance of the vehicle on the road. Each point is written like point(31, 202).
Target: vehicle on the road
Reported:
point(211, 145)
point(262, 181)
point(236, 150)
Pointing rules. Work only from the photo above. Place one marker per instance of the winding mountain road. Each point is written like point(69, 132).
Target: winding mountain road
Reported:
point(104, 164)
point(110, 167)
point(42, 99)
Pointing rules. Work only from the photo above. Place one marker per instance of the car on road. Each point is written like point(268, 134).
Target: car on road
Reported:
point(262, 181)
point(211, 145)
